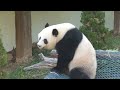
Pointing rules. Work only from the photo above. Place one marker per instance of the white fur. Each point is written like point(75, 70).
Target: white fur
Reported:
point(85, 56)
point(47, 34)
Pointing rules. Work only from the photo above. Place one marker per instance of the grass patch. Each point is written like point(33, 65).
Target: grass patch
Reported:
point(19, 73)
point(113, 42)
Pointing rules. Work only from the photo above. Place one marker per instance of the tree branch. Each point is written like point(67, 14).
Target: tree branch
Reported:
point(46, 63)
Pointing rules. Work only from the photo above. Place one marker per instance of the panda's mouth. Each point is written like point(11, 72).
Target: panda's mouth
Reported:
point(40, 47)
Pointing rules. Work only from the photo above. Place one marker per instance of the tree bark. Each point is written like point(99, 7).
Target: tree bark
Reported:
point(23, 35)
point(116, 23)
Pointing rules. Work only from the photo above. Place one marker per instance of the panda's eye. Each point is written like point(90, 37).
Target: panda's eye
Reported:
point(45, 41)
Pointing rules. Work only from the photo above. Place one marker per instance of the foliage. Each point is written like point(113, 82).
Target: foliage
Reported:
point(3, 54)
point(93, 26)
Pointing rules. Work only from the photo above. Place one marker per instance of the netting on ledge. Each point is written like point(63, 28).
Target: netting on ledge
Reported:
point(108, 66)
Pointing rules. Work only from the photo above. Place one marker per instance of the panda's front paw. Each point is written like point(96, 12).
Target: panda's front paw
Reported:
point(57, 70)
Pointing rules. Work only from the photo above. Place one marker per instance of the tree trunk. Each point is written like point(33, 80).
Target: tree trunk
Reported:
point(23, 35)
point(116, 23)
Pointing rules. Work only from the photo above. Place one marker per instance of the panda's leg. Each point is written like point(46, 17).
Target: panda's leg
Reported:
point(78, 73)
point(62, 65)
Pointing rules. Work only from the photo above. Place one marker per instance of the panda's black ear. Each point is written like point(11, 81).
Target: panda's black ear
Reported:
point(47, 25)
point(55, 32)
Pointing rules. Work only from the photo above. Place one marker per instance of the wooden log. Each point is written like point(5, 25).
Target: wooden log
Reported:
point(46, 63)
point(47, 59)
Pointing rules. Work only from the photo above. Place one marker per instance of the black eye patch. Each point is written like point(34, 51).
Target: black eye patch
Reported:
point(39, 38)
point(45, 41)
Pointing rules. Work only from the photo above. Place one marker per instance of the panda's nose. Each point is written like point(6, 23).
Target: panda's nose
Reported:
point(39, 46)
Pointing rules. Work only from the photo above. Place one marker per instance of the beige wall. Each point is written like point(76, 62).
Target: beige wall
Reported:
point(7, 26)
point(39, 19)
point(109, 19)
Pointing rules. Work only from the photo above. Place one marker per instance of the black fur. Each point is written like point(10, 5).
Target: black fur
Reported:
point(66, 49)
point(45, 41)
point(47, 25)
point(39, 38)
point(78, 73)
point(55, 32)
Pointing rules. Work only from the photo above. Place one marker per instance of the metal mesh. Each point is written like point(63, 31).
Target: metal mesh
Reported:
point(108, 66)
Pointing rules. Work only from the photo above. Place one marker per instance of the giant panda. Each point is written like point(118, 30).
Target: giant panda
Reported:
point(76, 54)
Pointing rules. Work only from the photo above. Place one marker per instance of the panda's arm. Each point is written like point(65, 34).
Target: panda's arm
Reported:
point(62, 64)
point(66, 49)
point(65, 55)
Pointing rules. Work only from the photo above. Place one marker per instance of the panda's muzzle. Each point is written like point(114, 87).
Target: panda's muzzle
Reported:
point(39, 46)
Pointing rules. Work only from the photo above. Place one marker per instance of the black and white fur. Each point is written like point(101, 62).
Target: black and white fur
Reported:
point(76, 55)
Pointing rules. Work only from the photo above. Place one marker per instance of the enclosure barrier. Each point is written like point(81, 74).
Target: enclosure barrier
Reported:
point(108, 65)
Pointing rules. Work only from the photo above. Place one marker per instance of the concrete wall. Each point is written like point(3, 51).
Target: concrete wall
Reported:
point(7, 27)
point(39, 19)
point(109, 19)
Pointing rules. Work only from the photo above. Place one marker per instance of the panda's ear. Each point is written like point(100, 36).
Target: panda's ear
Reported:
point(55, 32)
point(47, 25)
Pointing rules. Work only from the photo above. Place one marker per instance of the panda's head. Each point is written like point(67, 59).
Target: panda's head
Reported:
point(51, 35)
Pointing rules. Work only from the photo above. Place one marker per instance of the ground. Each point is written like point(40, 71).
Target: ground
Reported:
point(15, 70)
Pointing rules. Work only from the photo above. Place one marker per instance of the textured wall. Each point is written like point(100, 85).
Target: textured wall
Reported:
point(39, 19)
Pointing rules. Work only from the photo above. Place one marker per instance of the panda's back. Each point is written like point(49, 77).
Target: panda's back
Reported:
point(68, 42)
point(85, 57)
